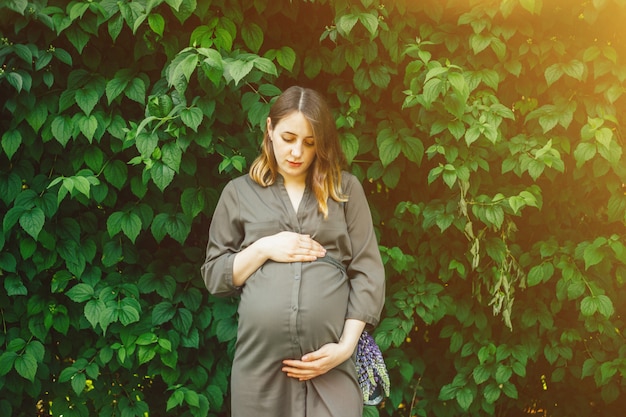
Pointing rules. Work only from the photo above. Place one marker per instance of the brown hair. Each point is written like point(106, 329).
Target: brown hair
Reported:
point(325, 172)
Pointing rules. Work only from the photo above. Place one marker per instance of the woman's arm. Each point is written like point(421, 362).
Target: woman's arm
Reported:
point(328, 356)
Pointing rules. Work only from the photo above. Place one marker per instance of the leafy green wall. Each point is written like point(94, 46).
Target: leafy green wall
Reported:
point(489, 136)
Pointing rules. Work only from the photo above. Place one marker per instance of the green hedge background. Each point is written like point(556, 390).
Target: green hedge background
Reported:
point(488, 134)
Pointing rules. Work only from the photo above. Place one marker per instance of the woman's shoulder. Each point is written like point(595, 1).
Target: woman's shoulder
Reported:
point(349, 180)
point(242, 182)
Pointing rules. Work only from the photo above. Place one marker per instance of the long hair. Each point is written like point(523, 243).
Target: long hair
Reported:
point(324, 174)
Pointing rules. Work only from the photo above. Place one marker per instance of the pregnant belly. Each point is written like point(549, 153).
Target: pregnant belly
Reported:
point(287, 302)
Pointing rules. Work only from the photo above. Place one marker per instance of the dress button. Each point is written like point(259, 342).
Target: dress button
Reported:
point(296, 277)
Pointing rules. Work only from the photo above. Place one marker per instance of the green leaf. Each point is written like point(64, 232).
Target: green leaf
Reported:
point(131, 225)
point(192, 117)
point(379, 75)
point(7, 359)
point(162, 175)
point(481, 374)
point(80, 293)
point(265, 65)
point(553, 73)
point(14, 286)
point(156, 23)
point(26, 366)
point(136, 90)
point(345, 24)
point(584, 152)
point(238, 69)
point(369, 21)
point(350, 146)
point(15, 80)
point(574, 69)
point(163, 313)
point(32, 221)
point(11, 141)
point(589, 306)
point(116, 86)
point(413, 149)
point(93, 312)
point(252, 36)
point(465, 397)
point(388, 145)
point(78, 382)
point(62, 128)
point(605, 306)
point(531, 5)
point(37, 116)
point(87, 125)
point(479, 42)
point(593, 255)
point(86, 98)
point(286, 58)
point(116, 173)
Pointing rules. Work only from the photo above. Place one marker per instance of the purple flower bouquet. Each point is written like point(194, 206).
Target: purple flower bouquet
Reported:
point(371, 370)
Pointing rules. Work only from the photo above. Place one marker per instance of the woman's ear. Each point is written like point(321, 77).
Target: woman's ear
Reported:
point(269, 126)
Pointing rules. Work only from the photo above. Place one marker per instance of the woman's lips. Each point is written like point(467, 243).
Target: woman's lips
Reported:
point(294, 164)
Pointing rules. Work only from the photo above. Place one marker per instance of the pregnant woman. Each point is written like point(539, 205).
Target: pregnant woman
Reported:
point(295, 240)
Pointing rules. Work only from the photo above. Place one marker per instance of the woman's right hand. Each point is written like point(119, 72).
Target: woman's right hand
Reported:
point(281, 247)
point(292, 247)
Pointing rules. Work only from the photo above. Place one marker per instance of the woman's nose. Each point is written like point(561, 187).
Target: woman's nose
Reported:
point(296, 150)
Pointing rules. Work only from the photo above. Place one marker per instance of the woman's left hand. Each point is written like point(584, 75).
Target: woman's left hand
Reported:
point(317, 363)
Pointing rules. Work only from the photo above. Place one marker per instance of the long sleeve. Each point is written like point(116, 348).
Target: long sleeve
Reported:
point(366, 270)
point(225, 238)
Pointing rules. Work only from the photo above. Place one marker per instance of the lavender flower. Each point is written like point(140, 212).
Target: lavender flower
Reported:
point(371, 370)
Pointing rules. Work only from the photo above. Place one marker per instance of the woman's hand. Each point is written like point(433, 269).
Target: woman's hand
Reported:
point(328, 356)
point(281, 247)
point(317, 363)
point(291, 247)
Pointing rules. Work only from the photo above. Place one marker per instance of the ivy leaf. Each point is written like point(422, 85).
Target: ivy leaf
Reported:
point(136, 90)
point(162, 313)
point(161, 174)
point(465, 397)
point(345, 23)
point(605, 306)
point(86, 98)
point(80, 293)
point(11, 141)
point(26, 366)
point(252, 36)
point(238, 69)
point(369, 21)
point(350, 146)
point(87, 125)
point(584, 152)
point(574, 69)
point(553, 73)
point(62, 128)
point(14, 286)
point(265, 65)
point(192, 117)
point(156, 23)
point(7, 359)
point(592, 254)
point(286, 58)
point(93, 311)
point(32, 221)
point(388, 146)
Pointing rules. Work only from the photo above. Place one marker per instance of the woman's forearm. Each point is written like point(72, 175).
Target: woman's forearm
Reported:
point(352, 330)
point(247, 261)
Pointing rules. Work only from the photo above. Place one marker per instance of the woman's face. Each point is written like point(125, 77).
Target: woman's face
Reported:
point(294, 146)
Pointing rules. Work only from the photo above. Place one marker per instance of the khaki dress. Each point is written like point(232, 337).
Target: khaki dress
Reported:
point(289, 309)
